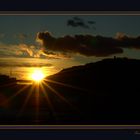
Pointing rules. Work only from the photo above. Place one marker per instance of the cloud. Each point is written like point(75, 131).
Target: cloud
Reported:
point(56, 55)
point(50, 53)
point(21, 50)
point(120, 35)
point(67, 46)
point(126, 41)
point(88, 45)
point(8, 49)
point(78, 22)
point(24, 50)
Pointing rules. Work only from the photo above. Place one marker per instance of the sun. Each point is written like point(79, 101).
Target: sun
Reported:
point(37, 75)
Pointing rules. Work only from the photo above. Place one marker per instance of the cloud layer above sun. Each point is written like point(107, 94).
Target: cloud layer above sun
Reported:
point(88, 45)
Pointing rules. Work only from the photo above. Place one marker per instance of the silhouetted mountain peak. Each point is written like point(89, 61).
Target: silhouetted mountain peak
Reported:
point(108, 73)
point(105, 63)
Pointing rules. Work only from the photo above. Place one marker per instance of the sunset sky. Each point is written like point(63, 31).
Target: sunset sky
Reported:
point(15, 30)
point(50, 40)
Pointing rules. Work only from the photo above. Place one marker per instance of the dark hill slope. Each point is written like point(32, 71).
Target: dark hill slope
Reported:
point(108, 89)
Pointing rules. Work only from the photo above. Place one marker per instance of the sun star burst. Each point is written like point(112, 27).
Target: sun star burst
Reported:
point(37, 75)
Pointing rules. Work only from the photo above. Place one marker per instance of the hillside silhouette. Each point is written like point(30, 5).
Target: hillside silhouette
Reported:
point(104, 92)
point(110, 88)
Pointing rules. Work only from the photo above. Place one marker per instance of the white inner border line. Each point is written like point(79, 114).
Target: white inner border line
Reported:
point(69, 12)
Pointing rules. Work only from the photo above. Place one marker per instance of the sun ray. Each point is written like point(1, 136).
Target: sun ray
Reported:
point(37, 102)
point(17, 93)
point(66, 85)
point(52, 111)
point(61, 97)
point(26, 101)
point(7, 85)
point(36, 89)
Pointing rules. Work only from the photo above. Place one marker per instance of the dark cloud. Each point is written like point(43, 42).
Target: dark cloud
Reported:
point(56, 55)
point(78, 22)
point(128, 41)
point(88, 45)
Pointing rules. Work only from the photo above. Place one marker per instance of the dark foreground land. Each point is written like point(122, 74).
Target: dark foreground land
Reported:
point(105, 92)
